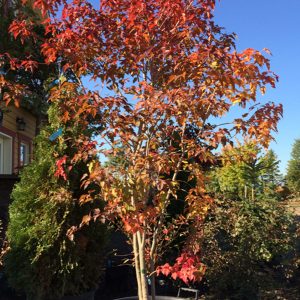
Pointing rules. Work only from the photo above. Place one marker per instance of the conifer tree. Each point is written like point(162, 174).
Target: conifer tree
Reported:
point(293, 170)
point(42, 261)
point(247, 172)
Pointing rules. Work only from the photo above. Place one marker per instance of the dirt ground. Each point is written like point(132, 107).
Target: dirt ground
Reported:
point(293, 206)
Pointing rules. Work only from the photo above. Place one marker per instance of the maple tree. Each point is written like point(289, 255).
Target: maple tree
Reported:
point(167, 75)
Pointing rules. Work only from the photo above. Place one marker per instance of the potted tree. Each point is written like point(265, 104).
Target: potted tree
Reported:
point(171, 73)
point(42, 261)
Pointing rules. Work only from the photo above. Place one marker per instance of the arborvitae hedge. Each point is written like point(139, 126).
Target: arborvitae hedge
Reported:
point(43, 262)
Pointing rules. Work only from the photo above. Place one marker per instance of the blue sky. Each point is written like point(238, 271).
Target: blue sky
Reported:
point(272, 24)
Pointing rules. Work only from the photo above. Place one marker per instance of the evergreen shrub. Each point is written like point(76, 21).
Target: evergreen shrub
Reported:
point(43, 261)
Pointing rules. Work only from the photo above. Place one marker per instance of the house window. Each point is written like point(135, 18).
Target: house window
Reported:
point(24, 154)
point(5, 154)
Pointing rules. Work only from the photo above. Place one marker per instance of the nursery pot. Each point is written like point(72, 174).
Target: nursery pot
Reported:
point(156, 298)
point(196, 297)
point(86, 296)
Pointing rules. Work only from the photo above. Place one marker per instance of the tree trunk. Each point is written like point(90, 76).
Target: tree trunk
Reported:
point(140, 265)
point(137, 264)
point(153, 289)
point(143, 272)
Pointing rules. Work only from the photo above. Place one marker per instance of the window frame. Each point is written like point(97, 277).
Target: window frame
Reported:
point(6, 155)
point(26, 149)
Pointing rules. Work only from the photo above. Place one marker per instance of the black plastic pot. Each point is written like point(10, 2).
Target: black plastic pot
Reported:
point(86, 296)
point(157, 298)
point(182, 289)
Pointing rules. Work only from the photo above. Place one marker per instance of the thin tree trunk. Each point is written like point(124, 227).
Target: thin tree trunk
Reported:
point(153, 289)
point(137, 265)
point(142, 263)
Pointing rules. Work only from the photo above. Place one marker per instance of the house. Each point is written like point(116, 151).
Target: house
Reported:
point(17, 131)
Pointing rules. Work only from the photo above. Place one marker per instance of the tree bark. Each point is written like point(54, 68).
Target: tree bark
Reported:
point(153, 287)
point(142, 263)
point(137, 264)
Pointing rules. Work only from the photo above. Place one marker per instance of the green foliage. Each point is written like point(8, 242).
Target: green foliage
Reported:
point(247, 229)
point(242, 240)
point(246, 173)
point(293, 170)
point(272, 180)
point(42, 261)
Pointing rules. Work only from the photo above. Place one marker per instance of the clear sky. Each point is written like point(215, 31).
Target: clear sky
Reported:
point(272, 24)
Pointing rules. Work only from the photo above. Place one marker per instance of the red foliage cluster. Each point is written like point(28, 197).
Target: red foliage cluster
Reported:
point(60, 165)
point(187, 267)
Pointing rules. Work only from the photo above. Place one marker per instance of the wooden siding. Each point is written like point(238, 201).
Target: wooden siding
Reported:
point(10, 123)
point(9, 127)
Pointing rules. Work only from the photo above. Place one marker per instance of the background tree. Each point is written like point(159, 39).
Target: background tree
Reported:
point(246, 172)
point(248, 247)
point(18, 59)
point(272, 179)
point(247, 231)
point(168, 67)
point(293, 169)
